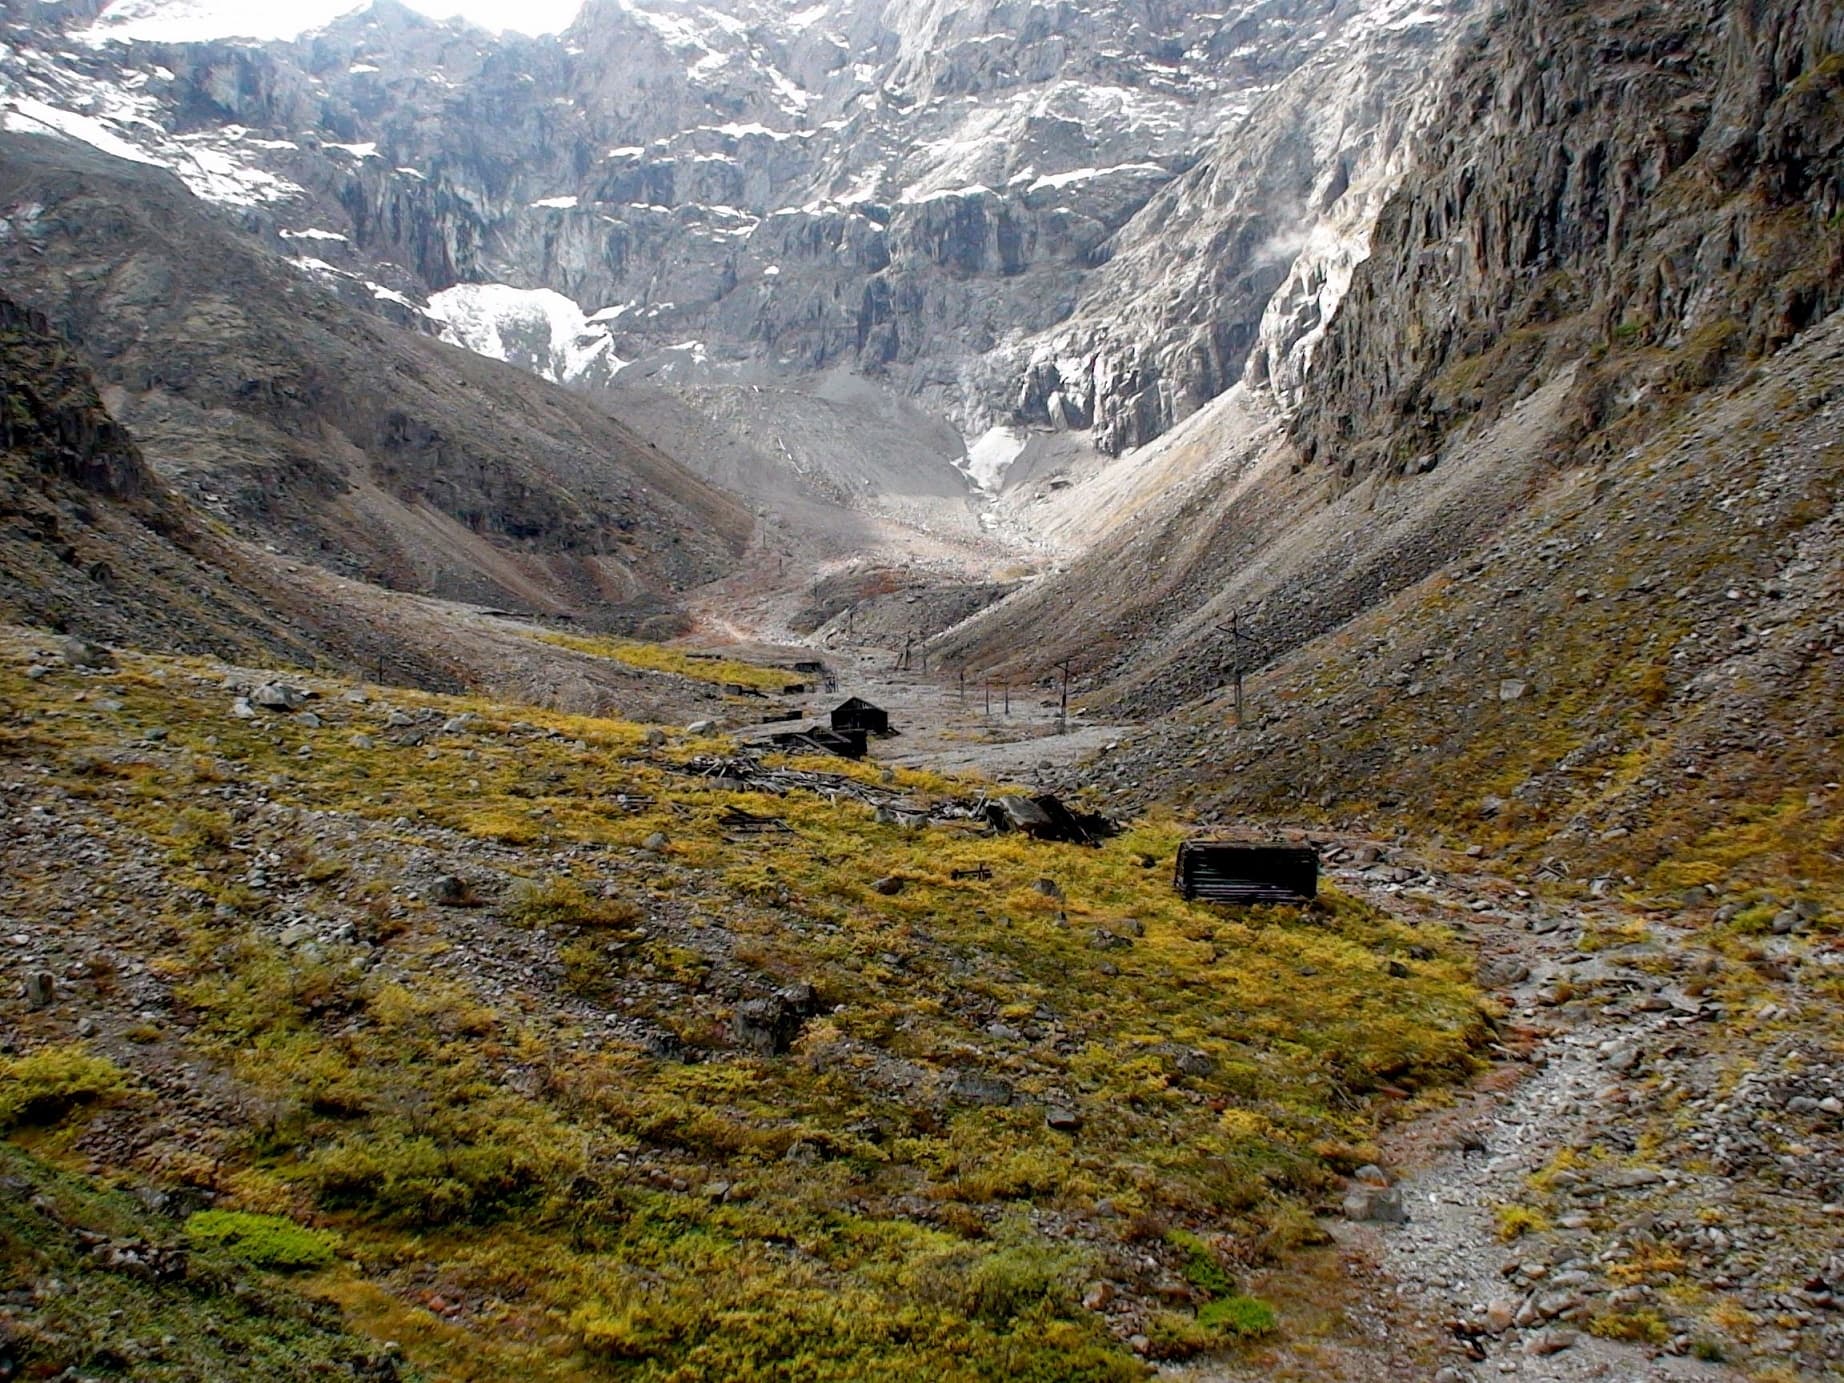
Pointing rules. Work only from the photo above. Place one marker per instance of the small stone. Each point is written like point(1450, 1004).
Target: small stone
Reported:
point(1379, 1205)
point(451, 891)
point(399, 720)
point(1510, 689)
point(978, 1088)
point(362, 741)
point(1050, 888)
point(242, 709)
point(1500, 1315)
point(1371, 1175)
point(36, 673)
point(454, 725)
point(308, 720)
point(1550, 1342)
point(1196, 1063)
point(656, 842)
point(1632, 1178)
point(890, 885)
point(1785, 922)
point(654, 737)
point(1062, 1118)
point(1502, 972)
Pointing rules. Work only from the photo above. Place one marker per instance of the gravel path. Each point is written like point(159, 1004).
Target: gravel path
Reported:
point(1609, 1042)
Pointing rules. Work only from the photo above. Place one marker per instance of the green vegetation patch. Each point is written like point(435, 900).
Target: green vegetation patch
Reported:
point(43, 1086)
point(263, 1241)
point(656, 657)
point(885, 1198)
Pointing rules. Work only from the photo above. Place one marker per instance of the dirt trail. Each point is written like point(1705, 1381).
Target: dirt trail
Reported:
point(1444, 1296)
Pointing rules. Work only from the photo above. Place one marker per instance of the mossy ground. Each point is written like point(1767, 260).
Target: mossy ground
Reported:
point(522, 1189)
point(655, 657)
point(117, 1292)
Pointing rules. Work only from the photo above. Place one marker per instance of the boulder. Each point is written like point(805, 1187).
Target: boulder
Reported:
point(84, 654)
point(1375, 1205)
point(278, 696)
point(763, 1026)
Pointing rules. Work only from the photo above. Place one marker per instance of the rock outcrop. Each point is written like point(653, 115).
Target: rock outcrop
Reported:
point(1648, 191)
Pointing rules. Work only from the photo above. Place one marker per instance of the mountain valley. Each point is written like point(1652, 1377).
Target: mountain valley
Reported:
point(450, 476)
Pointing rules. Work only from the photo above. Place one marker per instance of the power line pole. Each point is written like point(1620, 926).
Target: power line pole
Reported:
point(1062, 715)
point(1234, 630)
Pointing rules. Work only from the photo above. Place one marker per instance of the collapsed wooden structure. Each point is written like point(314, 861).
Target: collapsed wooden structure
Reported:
point(1044, 817)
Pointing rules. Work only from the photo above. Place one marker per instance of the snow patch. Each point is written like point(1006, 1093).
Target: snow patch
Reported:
point(992, 454)
point(536, 328)
point(1082, 175)
point(557, 203)
point(200, 21)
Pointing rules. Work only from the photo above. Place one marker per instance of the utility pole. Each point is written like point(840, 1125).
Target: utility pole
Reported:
point(1062, 715)
point(1234, 630)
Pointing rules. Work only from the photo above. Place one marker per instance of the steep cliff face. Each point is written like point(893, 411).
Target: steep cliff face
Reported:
point(1042, 215)
point(1649, 190)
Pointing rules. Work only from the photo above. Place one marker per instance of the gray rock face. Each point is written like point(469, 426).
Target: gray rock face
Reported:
point(1552, 216)
point(1050, 215)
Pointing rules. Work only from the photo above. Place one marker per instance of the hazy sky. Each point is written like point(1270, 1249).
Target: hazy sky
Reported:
point(180, 21)
point(527, 16)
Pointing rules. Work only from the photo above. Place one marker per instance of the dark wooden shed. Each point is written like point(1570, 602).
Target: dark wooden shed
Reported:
point(1219, 871)
point(856, 713)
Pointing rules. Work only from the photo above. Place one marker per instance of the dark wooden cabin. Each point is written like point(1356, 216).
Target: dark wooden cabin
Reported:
point(1218, 871)
point(856, 713)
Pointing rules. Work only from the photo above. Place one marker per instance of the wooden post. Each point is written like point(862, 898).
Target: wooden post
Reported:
point(963, 686)
point(1062, 715)
point(1008, 699)
point(1234, 630)
point(989, 699)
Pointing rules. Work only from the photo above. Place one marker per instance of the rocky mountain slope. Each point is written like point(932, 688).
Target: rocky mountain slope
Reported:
point(1087, 218)
point(1555, 522)
point(333, 436)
